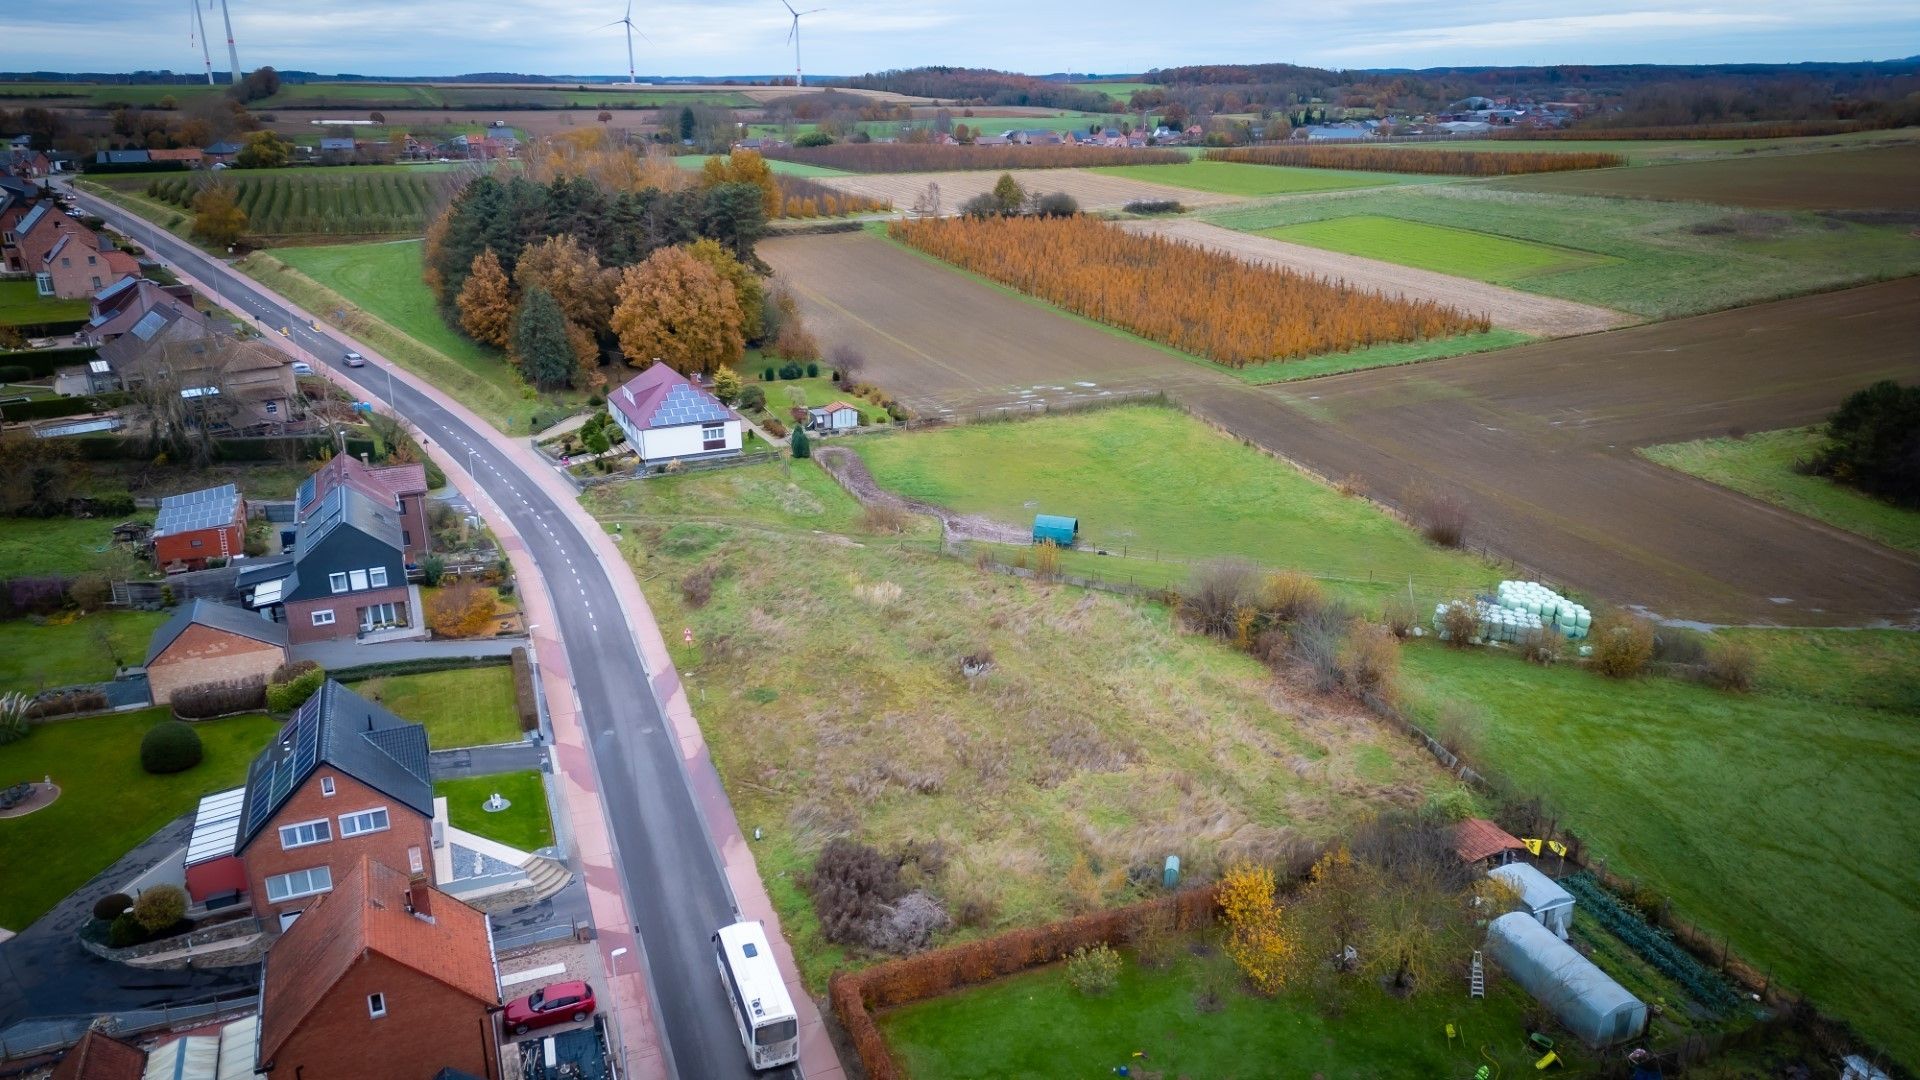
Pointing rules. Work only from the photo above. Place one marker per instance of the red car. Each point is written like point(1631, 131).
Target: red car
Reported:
point(561, 1003)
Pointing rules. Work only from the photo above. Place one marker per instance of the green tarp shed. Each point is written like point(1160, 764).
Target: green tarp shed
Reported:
point(1063, 531)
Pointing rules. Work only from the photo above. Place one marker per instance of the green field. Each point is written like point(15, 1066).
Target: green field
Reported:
point(1659, 151)
point(31, 546)
point(1406, 352)
point(1661, 259)
point(1150, 483)
point(1434, 247)
point(1236, 178)
point(22, 305)
point(1036, 1025)
point(65, 650)
point(108, 803)
point(1759, 814)
point(322, 202)
point(459, 707)
point(525, 824)
point(1761, 465)
point(390, 307)
point(782, 168)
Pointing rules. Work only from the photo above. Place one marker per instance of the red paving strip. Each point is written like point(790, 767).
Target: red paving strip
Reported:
point(573, 762)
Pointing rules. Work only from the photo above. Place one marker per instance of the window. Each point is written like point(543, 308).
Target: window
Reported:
point(382, 616)
point(326, 782)
point(299, 883)
point(323, 618)
point(416, 863)
point(365, 821)
point(96, 281)
point(273, 408)
point(44, 283)
point(306, 832)
point(337, 582)
point(377, 577)
point(65, 262)
point(406, 537)
point(93, 260)
point(359, 579)
point(376, 1005)
point(713, 437)
point(196, 543)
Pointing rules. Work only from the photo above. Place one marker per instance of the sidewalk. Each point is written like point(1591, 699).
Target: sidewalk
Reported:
point(336, 655)
point(627, 981)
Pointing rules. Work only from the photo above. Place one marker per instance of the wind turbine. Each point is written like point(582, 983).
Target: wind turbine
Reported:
point(627, 21)
point(793, 35)
point(233, 54)
point(197, 34)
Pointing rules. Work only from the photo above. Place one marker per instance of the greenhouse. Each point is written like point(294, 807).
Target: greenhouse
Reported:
point(1586, 999)
point(1540, 894)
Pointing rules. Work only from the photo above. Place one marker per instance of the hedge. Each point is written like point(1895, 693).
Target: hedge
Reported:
point(101, 168)
point(41, 362)
point(899, 982)
point(134, 448)
point(56, 328)
point(51, 408)
point(284, 697)
point(526, 699)
point(208, 700)
point(67, 703)
point(417, 667)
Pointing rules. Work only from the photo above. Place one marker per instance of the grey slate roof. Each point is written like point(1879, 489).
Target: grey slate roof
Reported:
point(345, 506)
point(209, 508)
point(341, 729)
point(224, 617)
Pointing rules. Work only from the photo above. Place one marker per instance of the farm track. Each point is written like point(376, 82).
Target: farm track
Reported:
point(1537, 439)
point(1510, 309)
point(1092, 191)
point(846, 467)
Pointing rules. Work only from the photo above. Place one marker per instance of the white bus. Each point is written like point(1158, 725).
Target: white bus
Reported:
point(768, 1025)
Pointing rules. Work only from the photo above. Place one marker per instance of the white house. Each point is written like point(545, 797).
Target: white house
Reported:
point(668, 418)
point(838, 416)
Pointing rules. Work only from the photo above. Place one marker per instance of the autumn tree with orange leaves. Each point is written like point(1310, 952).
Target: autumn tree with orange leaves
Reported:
point(486, 302)
point(676, 309)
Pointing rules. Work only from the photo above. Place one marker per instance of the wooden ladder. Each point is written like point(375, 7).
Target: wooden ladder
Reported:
point(1478, 982)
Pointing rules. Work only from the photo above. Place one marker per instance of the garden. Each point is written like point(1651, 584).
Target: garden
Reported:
point(67, 647)
point(466, 706)
point(525, 823)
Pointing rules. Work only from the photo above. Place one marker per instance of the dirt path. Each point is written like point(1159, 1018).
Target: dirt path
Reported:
point(1093, 191)
point(846, 467)
point(1510, 309)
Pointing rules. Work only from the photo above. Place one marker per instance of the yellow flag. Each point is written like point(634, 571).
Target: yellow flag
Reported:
point(1532, 845)
point(1557, 847)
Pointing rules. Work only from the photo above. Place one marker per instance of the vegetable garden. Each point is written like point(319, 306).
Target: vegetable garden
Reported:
point(350, 204)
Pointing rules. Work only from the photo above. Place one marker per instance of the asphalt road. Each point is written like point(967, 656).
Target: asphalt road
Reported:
point(675, 889)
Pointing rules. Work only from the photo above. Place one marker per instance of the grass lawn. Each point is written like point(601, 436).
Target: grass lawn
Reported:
point(824, 671)
point(22, 305)
point(389, 306)
point(1659, 151)
point(1751, 811)
point(1036, 1025)
point(30, 546)
point(1152, 482)
point(525, 824)
point(1653, 261)
point(1434, 247)
point(1761, 465)
point(1406, 352)
point(1239, 178)
point(63, 651)
point(783, 168)
point(461, 707)
point(818, 390)
point(107, 802)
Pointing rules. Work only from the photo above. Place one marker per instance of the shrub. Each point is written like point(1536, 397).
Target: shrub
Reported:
point(1093, 970)
point(801, 447)
point(160, 907)
point(66, 703)
point(1218, 592)
point(111, 906)
point(90, 591)
point(852, 886)
point(1443, 518)
point(1254, 936)
point(1401, 615)
point(752, 399)
point(884, 519)
point(432, 568)
point(790, 371)
point(1730, 665)
point(775, 428)
point(1460, 624)
point(766, 375)
point(1622, 645)
point(125, 932)
point(13, 718)
point(463, 609)
point(1544, 646)
point(1154, 206)
point(813, 370)
point(1289, 594)
point(525, 700)
point(170, 747)
point(1055, 204)
point(1680, 646)
point(1046, 559)
point(1370, 660)
point(284, 697)
point(911, 922)
point(208, 700)
point(696, 588)
point(1873, 443)
point(291, 671)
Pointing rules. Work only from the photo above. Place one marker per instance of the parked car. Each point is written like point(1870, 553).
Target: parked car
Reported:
point(301, 367)
point(354, 359)
point(561, 1003)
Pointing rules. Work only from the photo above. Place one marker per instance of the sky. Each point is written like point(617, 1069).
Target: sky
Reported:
point(749, 37)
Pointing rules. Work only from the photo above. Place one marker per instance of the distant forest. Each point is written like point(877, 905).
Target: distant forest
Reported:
point(1627, 96)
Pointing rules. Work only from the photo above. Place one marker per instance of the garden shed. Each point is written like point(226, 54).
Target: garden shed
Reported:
point(1585, 999)
point(1542, 896)
point(1063, 531)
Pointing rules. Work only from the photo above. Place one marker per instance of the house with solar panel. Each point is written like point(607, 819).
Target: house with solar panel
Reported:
point(343, 782)
point(199, 525)
point(235, 385)
point(346, 578)
point(404, 487)
point(667, 418)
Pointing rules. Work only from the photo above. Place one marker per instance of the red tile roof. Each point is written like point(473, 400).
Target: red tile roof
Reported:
point(367, 913)
point(403, 479)
point(383, 484)
point(1476, 838)
point(100, 1056)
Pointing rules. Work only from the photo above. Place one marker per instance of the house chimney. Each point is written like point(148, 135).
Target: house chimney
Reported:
point(420, 899)
point(363, 458)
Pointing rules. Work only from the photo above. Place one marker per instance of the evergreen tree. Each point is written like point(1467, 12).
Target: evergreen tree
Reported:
point(801, 447)
point(540, 340)
point(686, 123)
point(735, 215)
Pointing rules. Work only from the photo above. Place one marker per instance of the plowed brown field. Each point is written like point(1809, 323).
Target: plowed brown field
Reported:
point(1875, 178)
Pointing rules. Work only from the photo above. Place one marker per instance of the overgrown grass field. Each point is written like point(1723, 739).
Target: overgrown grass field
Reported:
point(107, 802)
point(825, 670)
point(1761, 465)
point(65, 649)
point(1150, 482)
point(1373, 356)
point(525, 824)
point(1760, 815)
point(1479, 255)
point(1236, 178)
point(1662, 259)
point(459, 707)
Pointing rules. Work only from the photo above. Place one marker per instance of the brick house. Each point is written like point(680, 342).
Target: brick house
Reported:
point(385, 977)
point(199, 525)
point(66, 258)
point(667, 418)
point(100, 1056)
point(404, 487)
point(344, 781)
point(206, 642)
point(115, 309)
point(347, 577)
point(236, 385)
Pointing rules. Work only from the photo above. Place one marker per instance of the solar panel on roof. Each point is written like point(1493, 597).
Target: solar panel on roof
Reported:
point(149, 325)
point(685, 405)
point(207, 509)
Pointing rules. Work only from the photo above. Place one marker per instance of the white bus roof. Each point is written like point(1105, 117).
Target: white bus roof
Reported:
point(758, 974)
